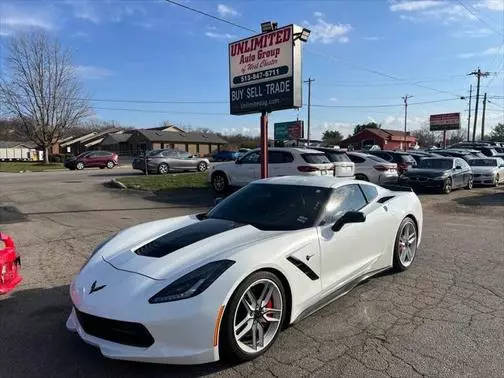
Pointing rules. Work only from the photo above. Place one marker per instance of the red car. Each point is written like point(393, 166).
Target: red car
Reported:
point(101, 159)
point(9, 265)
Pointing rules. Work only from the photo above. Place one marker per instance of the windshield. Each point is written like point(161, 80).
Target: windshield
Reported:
point(315, 158)
point(337, 157)
point(273, 207)
point(483, 163)
point(377, 159)
point(436, 164)
point(153, 152)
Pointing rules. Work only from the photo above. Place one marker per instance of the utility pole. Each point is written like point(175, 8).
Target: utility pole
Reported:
point(309, 81)
point(469, 118)
point(478, 74)
point(405, 99)
point(483, 117)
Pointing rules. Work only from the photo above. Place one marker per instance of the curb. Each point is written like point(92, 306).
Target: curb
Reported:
point(117, 184)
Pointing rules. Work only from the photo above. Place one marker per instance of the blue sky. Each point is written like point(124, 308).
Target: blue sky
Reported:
point(361, 53)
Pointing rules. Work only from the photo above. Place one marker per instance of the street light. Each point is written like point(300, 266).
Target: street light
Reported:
point(268, 26)
point(303, 35)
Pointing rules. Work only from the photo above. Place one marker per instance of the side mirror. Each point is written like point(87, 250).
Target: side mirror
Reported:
point(349, 217)
point(458, 167)
point(217, 201)
point(501, 166)
point(238, 161)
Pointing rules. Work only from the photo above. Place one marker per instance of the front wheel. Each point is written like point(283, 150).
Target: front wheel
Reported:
point(163, 168)
point(470, 183)
point(496, 180)
point(447, 186)
point(202, 166)
point(219, 182)
point(405, 244)
point(253, 318)
point(80, 165)
point(110, 164)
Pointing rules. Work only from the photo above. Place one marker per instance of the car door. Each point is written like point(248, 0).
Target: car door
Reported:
point(185, 161)
point(91, 159)
point(500, 168)
point(280, 163)
point(351, 251)
point(459, 175)
point(246, 169)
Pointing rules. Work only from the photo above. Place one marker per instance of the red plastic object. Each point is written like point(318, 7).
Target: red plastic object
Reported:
point(9, 265)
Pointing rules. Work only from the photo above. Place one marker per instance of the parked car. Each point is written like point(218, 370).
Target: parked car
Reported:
point(460, 153)
point(100, 159)
point(282, 161)
point(488, 171)
point(222, 285)
point(243, 151)
point(373, 169)
point(225, 156)
point(343, 166)
point(420, 155)
point(403, 160)
point(443, 174)
point(166, 160)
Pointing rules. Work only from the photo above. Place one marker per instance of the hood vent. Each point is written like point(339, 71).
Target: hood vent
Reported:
point(185, 236)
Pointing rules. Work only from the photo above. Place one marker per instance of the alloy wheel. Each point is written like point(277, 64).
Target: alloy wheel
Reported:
point(80, 166)
point(163, 169)
point(110, 165)
point(447, 186)
point(407, 244)
point(202, 167)
point(497, 180)
point(219, 183)
point(258, 315)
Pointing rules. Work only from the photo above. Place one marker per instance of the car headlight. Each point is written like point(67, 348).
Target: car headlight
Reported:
point(192, 283)
point(441, 177)
point(98, 247)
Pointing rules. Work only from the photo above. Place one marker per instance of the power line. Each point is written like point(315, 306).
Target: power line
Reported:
point(383, 105)
point(159, 111)
point(211, 16)
point(474, 13)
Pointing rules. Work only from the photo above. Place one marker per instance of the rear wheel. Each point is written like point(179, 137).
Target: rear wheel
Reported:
point(253, 318)
point(110, 164)
point(219, 182)
point(405, 244)
point(79, 165)
point(496, 180)
point(163, 168)
point(202, 166)
point(470, 183)
point(447, 186)
point(361, 177)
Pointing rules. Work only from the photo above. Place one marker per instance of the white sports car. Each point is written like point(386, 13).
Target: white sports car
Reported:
point(198, 288)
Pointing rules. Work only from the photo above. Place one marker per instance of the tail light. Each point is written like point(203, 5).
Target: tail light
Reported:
point(307, 168)
point(402, 167)
point(381, 168)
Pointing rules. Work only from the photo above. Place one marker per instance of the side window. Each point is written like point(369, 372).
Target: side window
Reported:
point(250, 158)
point(168, 154)
point(343, 199)
point(91, 155)
point(464, 164)
point(356, 159)
point(278, 157)
point(458, 162)
point(369, 191)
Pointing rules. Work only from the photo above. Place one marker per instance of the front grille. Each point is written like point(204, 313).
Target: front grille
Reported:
point(127, 333)
point(477, 175)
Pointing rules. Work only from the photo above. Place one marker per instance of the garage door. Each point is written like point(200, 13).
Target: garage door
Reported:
point(204, 149)
point(191, 148)
point(180, 147)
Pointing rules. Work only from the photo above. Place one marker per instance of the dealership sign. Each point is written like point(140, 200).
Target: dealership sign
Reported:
point(265, 72)
point(289, 130)
point(443, 122)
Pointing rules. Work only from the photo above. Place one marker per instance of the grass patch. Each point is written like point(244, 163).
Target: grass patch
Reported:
point(172, 181)
point(13, 166)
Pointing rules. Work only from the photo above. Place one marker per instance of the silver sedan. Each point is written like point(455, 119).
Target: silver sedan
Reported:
point(166, 160)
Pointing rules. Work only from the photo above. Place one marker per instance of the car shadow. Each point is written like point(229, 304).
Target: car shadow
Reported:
point(492, 199)
point(117, 174)
point(192, 197)
point(35, 343)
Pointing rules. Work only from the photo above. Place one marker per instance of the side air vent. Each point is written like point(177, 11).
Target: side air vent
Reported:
point(385, 199)
point(304, 268)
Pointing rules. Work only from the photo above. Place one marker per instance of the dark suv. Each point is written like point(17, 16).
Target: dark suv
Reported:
point(100, 159)
point(403, 160)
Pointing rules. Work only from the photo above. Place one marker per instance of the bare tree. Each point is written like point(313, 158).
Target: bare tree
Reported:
point(41, 89)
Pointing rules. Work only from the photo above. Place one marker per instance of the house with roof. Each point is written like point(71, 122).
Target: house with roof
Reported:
point(17, 151)
point(89, 141)
point(193, 142)
point(386, 139)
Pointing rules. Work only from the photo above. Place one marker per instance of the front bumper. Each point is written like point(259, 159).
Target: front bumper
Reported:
point(423, 183)
point(483, 180)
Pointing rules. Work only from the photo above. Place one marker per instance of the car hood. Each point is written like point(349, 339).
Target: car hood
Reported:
point(480, 170)
point(166, 248)
point(424, 172)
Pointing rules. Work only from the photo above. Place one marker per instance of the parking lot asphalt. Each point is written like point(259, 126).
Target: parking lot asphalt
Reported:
point(442, 317)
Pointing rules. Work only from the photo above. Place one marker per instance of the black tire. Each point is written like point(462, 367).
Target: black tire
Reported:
point(361, 177)
point(79, 166)
point(399, 266)
point(202, 166)
point(470, 183)
point(110, 164)
point(228, 347)
point(220, 182)
point(497, 180)
point(447, 186)
point(163, 169)
point(102, 167)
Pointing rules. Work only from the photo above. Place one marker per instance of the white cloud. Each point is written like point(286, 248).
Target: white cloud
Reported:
point(494, 5)
point(225, 11)
point(318, 14)
point(487, 52)
point(411, 6)
point(472, 33)
point(326, 32)
point(106, 11)
point(333, 99)
point(219, 35)
point(26, 21)
point(92, 72)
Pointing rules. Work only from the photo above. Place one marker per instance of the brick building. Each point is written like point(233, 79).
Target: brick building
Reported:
point(386, 139)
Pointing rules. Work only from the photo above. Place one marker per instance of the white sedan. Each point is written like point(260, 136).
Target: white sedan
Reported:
point(195, 289)
point(373, 168)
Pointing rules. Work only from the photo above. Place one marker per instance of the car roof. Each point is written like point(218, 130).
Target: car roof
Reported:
point(441, 158)
point(328, 149)
point(361, 154)
point(301, 150)
point(318, 181)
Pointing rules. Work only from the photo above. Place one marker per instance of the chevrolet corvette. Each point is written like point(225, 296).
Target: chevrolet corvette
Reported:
point(223, 284)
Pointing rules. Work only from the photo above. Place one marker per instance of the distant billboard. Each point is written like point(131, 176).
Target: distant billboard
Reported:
point(289, 130)
point(265, 72)
point(443, 122)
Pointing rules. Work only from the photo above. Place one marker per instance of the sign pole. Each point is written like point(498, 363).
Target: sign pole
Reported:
point(264, 144)
point(444, 138)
